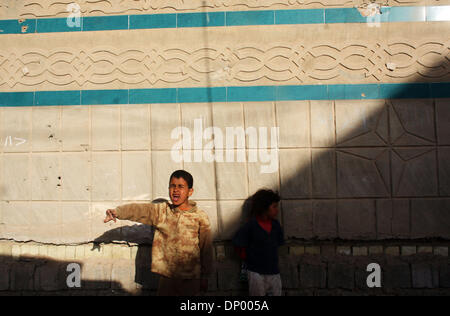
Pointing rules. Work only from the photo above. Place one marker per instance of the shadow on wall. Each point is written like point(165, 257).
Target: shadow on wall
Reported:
point(30, 275)
point(135, 234)
point(371, 169)
point(143, 262)
point(374, 170)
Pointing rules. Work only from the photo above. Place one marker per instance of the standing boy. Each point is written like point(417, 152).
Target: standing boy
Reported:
point(258, 241)
point(182, 245)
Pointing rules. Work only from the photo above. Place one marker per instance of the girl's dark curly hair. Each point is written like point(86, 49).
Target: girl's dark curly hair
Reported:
point(261, 201)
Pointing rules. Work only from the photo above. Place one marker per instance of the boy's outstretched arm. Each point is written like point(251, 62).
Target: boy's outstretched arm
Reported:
point(142, 213)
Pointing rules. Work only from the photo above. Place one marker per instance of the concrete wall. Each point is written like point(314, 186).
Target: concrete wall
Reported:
point(306, 269)
point(332, 184)
point(361, 162)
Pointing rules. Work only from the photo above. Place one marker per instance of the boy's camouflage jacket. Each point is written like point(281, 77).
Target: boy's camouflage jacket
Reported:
point(182, 245)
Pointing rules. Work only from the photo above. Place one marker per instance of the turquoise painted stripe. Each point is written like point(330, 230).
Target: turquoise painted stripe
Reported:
point(204, 19)
point(388, 14)
point(194, 95)
point(309, 92)
point(440, 89)
point(305, 16)
point(354, 92)
point(240, 18)
point(57, 25)
point(402, 91)
point(105, 23)
point(142, 96)
point(251, 94)
point(344, 15)
point(228, 18)
point(16, 98)
point(17, 27)
point(91, 97)
point(406, 14)
point(229, 94)
point(153, 21)
point(57, 98)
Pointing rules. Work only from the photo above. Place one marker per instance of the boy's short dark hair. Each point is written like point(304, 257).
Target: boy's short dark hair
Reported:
point(261, 200)
point(185, 175)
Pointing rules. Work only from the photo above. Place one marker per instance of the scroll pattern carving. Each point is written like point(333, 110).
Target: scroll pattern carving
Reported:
point(243, 64)
point(52, 8)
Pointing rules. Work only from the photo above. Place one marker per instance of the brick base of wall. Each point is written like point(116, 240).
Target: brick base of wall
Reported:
point(306, 269)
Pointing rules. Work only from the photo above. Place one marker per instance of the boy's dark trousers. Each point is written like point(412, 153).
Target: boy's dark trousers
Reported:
point(178, 287)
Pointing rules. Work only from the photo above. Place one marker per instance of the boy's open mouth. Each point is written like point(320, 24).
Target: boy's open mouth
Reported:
point(176, 197)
